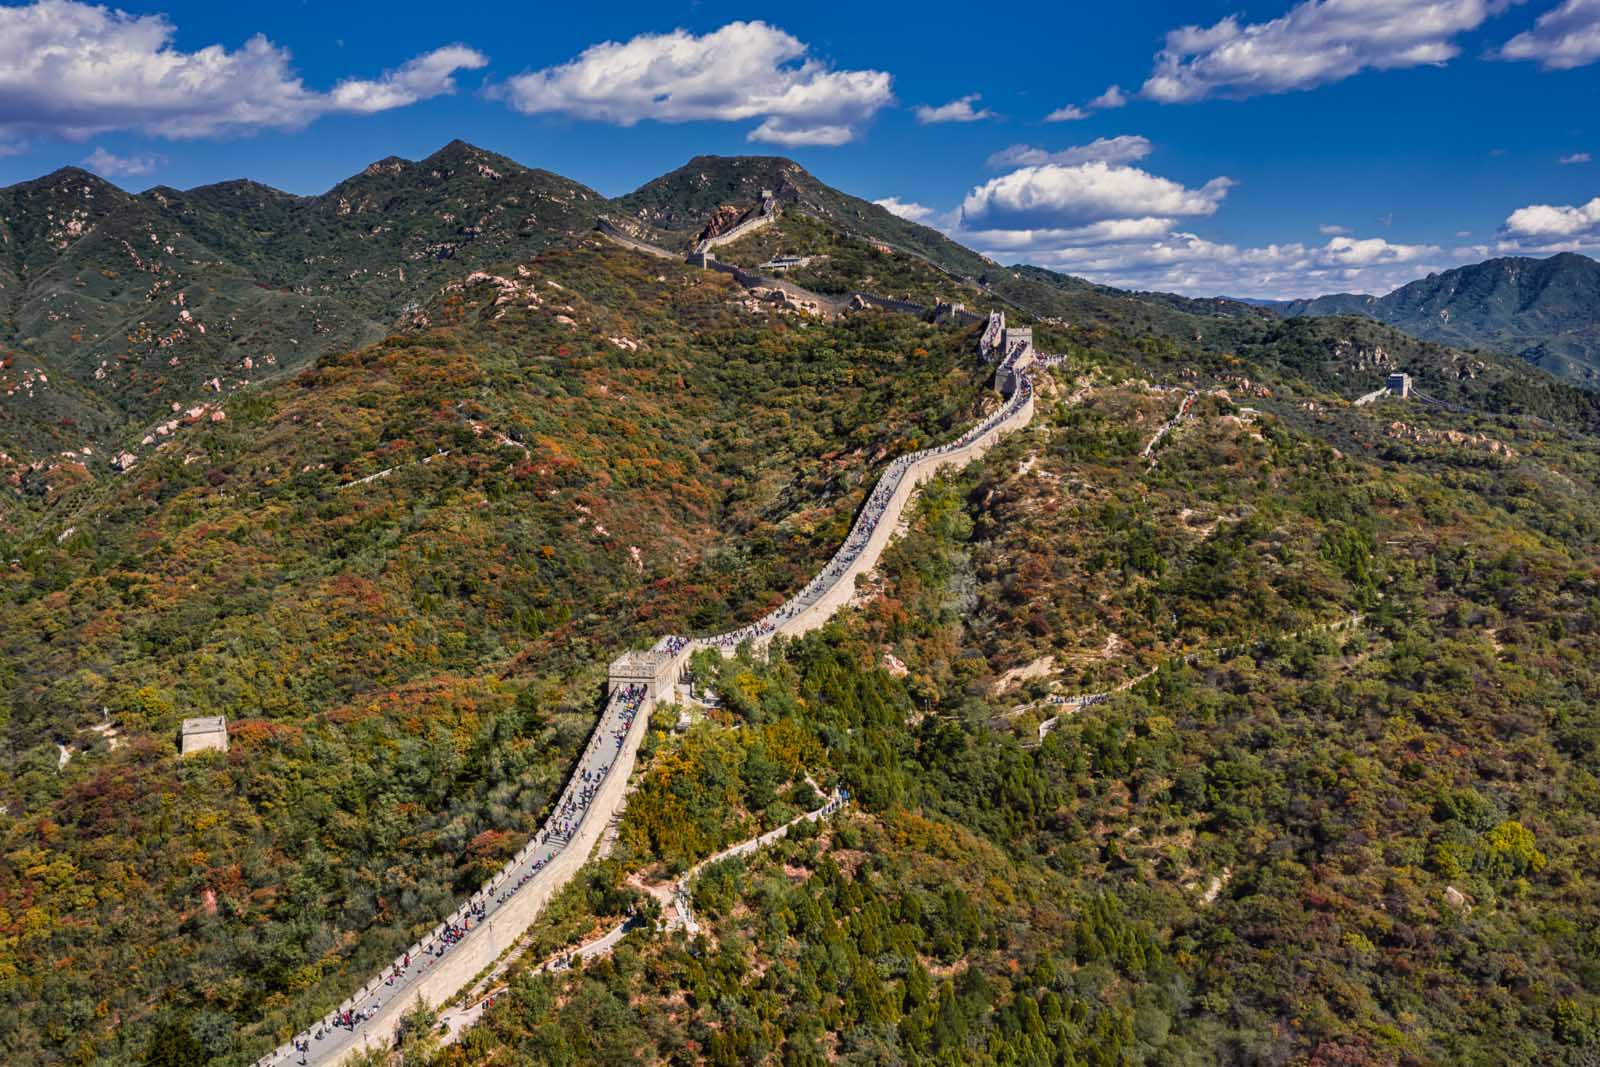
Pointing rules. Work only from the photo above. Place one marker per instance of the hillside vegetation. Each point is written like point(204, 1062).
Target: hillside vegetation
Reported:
point(1343, 814)
point(399, 575)
point(1545, 310)
point(1333, 803)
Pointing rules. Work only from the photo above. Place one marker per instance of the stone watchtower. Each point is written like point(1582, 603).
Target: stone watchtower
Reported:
point(1016, 346)
point(657, 671)
point(1399, 385)
point(208, 734)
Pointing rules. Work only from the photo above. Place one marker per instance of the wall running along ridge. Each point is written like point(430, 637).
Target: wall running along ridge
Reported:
point(655, 673)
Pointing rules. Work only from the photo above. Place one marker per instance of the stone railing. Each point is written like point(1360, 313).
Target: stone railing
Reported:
point(472, 937)
point(629, 241)
point(747, 226)
point(834, 586)
point(438, 965)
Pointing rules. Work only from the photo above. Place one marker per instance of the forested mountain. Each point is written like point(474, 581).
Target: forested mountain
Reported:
point(1545, 310)
point(130, 304)
point(1333, 800)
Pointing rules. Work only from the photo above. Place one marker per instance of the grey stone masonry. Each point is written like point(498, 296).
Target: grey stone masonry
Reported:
point(470, 939)
point(657, 670)
point(1016, 346)
point(1400, 385)
point(207, 734)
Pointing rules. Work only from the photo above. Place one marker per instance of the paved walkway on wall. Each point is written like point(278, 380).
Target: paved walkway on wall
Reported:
point(353, 1025)
point(471, 939)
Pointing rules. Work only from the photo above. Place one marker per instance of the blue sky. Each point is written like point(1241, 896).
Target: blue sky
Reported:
point(1263, 149)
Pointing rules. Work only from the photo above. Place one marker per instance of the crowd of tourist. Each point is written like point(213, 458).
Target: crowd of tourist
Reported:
point(871, 513)
point(569, 812)
point(625, 704)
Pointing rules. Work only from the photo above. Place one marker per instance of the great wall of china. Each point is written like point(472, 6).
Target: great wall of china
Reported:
point(440, 965)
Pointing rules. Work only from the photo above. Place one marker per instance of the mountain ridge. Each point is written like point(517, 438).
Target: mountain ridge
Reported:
point(1546, 310)
point(131, 307)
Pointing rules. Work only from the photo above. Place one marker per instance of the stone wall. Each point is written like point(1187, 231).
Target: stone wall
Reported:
point(658, 671)
point(207, 734)
point(888, 304)
point(484, 944)
point(843, 589)
point(634, 243)
point(747, 226)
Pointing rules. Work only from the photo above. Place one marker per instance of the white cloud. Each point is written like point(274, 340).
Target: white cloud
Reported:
point(1330, 230)
point(906, 209)
point(1106, 231)
point(428, 75)
point(1564, 37)
point(1463, 233)
point(1364, 252)
point(1546, 222)
point(1187, 263)
point(108, 165)
point(1316, 42)
point(1053, 196)
point(1070, 113)
point(960, 110)
point(1576, 157)
point(778, 131)
point(745, 70)
point(71, 69)
point(1124, 149)
point(1145, 250)
point(1113, 97)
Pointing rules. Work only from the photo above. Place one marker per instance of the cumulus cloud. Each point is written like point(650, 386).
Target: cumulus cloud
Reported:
point(1070, 113)
point(1327, 229)
point(1552, 222)
point(1053, 196)
point(1106, 231)
point(428, 75)
point(959, 110)
point(906, 209)
point(1137, 243)
point(1113, 97)
point(1364, 252)
point(108, 165)
point(1576, 157)
point(1123, 149)
point(1316, 42)
point(1565, 37)
point(745, 70)
point(72, 69)
point(1182, 262)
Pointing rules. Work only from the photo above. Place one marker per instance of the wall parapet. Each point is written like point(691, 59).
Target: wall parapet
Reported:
point(473, 936)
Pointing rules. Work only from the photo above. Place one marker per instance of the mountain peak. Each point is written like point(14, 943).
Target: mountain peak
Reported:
point(1541, 309)
point(456, 147)
point(68, 177)
point(459, 151)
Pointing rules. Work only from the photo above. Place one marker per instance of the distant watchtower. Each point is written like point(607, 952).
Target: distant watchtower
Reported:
point(208, 734)
point(1399, 385)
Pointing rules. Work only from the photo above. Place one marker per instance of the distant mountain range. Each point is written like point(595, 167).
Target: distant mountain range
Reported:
point(1545, 310)
point(121, 312)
